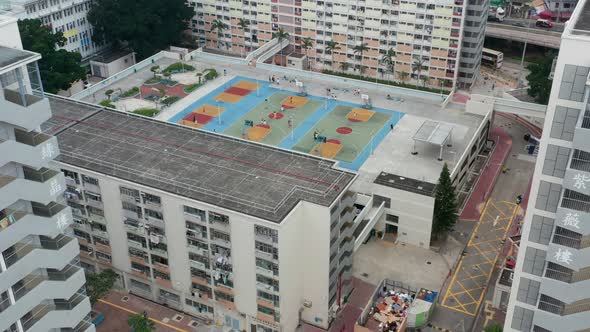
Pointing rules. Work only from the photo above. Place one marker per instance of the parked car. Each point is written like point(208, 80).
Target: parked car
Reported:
point(541, 23)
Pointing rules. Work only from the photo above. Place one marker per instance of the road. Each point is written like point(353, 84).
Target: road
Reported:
point(465, 293)
point(509, 21)
point(540, 37)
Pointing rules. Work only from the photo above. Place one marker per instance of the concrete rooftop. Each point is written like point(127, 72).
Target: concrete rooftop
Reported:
point(245, 177)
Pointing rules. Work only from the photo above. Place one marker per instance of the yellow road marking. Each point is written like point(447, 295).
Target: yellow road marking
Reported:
point(465, 291)
point(134, 312)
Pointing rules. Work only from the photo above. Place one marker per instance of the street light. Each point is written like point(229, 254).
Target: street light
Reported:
point(526, 39)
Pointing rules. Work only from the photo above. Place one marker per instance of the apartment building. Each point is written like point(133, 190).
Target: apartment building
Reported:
point(41, 282)
point(426, 36)
point(550, 285)
point(65, 16)
point(238, 234)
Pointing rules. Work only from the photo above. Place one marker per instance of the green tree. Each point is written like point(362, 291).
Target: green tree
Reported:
point(306, 44)
point(155, 69)
point(58, 68)
point(344, 66)
point(493, 328)
point(360, 49)
point(388, 59)
point(146, 26)
point(417, 67)
point(141, 323)
point(280, 35)
point(218, 27)
point(403, 75)
point(98, 284)
point(445, 204)
point(330, 47)
point(109, 93)
point(538, 78)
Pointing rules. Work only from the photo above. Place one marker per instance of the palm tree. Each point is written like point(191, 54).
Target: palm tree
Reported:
point(388, 59)
point(403, 75)
point(344, 66)
point(218, 26)
point(243, 24)
point(280, 35)
point(417, 66)
point(331, 46)
point(307, 43)
point(360, 49)
point(141, 323)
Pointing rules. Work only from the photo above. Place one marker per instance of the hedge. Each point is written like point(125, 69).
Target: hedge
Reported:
point(150, 112)
point(386, 82)
point(170, 100)
point(107, 103)
point(178, 67)
point(191, 87)
point(130, 93)
point(211, 73)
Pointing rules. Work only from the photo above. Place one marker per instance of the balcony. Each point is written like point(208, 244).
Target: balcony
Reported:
point(571, 258)
point(577, 175)
point(161, 267)
point(201, 280)
point(574, 212)
point(55, 285)
point(63, 314)
point(47, 220)
point(141, 273)
point(43, 186)
point(136, 244)
point(26, 111)
point(32, 151)
point(141, 260)
point(198, 250)
point(51, 253)
point(266, 255)
point(198, 265)
point(163, 282)
point(195, 218)
point(267, 288)
point(582, 130)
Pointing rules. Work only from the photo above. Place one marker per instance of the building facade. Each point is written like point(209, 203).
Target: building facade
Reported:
point(246, 267)
point(65, 16)
point(550, 285)
point(41, 281)
point(427, 37)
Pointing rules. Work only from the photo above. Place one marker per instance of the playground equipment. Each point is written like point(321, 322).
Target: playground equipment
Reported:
point(366, 101)
point(301, 90)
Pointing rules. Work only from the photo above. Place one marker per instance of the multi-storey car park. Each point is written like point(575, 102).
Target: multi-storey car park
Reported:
point(550, 283)
point(41, 281)
point(435, 43)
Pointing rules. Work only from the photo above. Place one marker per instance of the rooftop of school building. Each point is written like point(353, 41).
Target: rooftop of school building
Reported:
point(378, 149)
point(249, 178)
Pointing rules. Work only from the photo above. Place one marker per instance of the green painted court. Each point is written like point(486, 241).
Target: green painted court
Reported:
point(269, 112)
point(351, 127)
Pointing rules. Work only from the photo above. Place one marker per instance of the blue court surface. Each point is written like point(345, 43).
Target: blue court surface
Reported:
point(352, 132)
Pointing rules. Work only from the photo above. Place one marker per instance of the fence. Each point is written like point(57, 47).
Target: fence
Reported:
point(382, 88)
point(124, 73)
point(391, 285)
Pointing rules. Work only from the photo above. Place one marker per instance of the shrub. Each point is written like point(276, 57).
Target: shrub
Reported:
point(152, 81)
point(150, 112)
point(107, 103)
point(386, 82)
point(211, 73)
point(108, 93)
point(178, 67)
point(170, 100)
point(191, 87)
point(130, 93)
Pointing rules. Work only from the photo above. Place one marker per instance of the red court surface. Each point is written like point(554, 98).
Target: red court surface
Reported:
point(263, 126)
point(354, 120)
point(347, 317)
point(489, 175)
point(198, 117)
point(333, 141)
point(238, 91)
point(344, 130)
point(276, 115)
point(116, 313)
point(177, 90)
point(287, 107)
point(461, 98)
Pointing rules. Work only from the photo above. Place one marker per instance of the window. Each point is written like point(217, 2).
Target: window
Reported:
point(95, 211)
point(131, 207)
point(201, 308)
point(267, 248)
point(195, 212)
point(90, 196)
point(573, 83)
point(151, 199)
point(89, 180)
point(391, 218)
point(100, 240)
point(103, 256)
point(217, 217)
point(154, 214)
point(271, 283)
point(267, 265)
point(129, 192)
point(564, 123)
point(267, 232)
point(223, 296)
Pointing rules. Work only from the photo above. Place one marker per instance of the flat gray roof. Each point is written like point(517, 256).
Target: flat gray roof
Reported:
point(10, 56)
point(407, 184)
point(249, 178)
point(433, 132)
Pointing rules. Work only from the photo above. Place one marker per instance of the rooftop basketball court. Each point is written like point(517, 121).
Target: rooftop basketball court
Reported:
point(256, 111)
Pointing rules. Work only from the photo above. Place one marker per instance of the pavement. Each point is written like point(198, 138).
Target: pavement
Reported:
point(118, 306)
point(465, 294)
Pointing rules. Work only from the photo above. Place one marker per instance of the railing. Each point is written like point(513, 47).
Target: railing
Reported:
point(586, 119)
point(31, 138)
point(580, 161)
point(41, 310)
point(24, 100)
point(575, 201)
point(22, 249)
point(32, 281)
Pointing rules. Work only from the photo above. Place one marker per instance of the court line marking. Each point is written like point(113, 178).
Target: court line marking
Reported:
point(134, 312)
